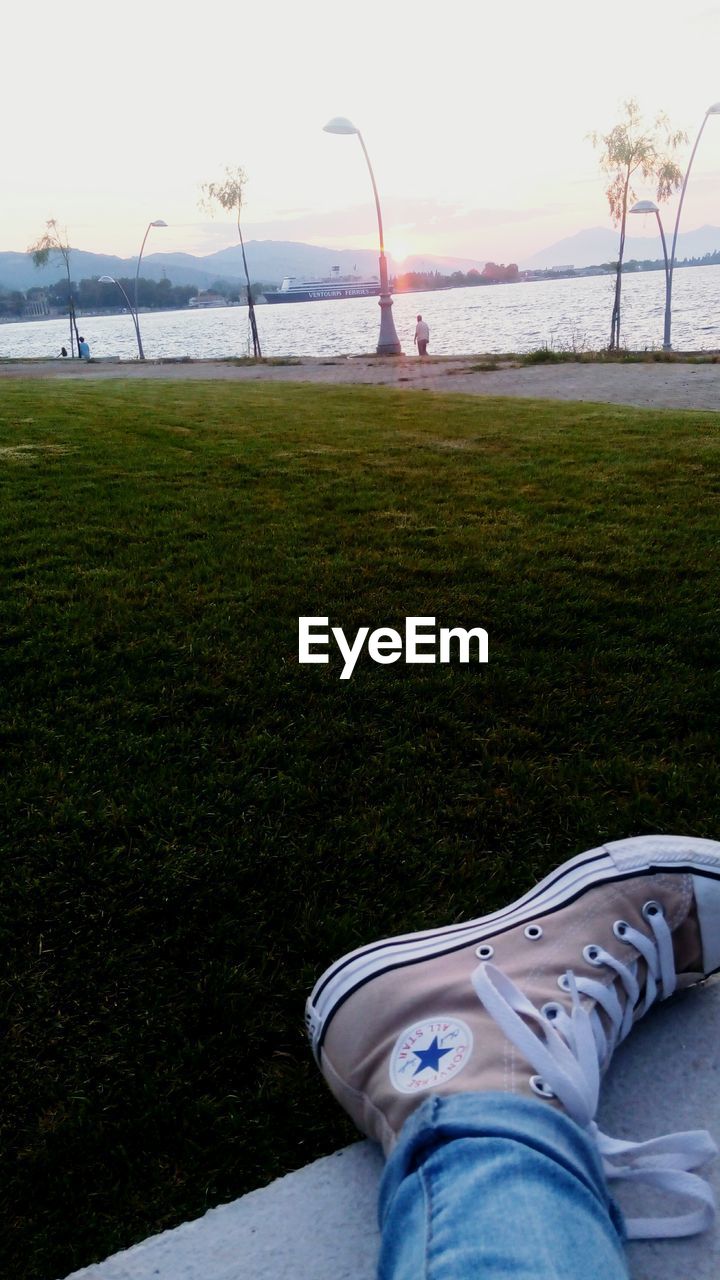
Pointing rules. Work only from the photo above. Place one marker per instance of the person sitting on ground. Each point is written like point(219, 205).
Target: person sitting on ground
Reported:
point(473, 1054)
point(83, 349)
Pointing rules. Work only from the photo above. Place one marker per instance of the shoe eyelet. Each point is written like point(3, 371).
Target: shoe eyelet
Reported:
point(651, 909)
point(620, 929)
point(533, 932)
point(592, 954)
point(563, 982)
point(538, 1086)
point(551, 1011)
point(485, 951)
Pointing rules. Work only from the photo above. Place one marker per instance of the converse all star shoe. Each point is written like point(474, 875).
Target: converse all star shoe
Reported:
point(532, 999)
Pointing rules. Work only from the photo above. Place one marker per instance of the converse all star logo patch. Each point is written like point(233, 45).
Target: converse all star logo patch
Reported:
point(429, 1053)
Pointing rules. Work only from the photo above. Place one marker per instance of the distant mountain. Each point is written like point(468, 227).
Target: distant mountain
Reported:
point(446, 266)
point(600, 244)
point(268, 262)
point(17, 270)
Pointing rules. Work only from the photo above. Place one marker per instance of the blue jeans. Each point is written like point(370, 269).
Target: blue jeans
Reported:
point(486, 1185)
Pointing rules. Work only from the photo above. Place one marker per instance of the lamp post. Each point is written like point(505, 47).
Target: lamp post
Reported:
point(714, 110)
point(157, 223)
point(388, 342)
point(649, 206)
point(112, 280)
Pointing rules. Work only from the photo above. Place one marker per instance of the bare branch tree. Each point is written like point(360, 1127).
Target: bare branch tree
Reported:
point(631, 149)
point(55, 241)
point(228, 194)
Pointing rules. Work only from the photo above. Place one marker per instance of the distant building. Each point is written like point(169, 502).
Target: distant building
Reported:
point(208, 299)
point(556, 273)
point(36, 304)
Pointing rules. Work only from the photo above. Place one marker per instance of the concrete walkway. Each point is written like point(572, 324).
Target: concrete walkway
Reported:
point(320, 1222)
point(677, 385)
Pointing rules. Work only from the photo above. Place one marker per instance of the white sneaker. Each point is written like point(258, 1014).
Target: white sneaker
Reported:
point(532, 999)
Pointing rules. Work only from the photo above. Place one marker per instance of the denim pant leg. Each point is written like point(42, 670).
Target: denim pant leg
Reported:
point(486, 1185)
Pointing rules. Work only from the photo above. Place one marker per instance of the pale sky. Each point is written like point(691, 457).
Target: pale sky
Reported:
point(476, 120)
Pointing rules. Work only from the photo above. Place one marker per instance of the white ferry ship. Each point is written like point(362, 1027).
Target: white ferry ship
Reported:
point(334, 286)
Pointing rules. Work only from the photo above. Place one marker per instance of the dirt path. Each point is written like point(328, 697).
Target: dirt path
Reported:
point(671, 386)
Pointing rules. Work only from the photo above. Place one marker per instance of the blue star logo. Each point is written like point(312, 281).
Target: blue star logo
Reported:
point(430, 1057)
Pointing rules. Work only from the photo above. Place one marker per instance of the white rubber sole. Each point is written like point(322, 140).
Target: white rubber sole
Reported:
point(618, 860)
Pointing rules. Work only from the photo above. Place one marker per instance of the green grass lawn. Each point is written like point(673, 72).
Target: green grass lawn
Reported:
point(193, 825)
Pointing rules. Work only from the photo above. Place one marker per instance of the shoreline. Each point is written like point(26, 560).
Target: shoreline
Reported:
point(647, 380)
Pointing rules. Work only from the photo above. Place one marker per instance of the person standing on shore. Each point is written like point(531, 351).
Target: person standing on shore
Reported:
point(83, 349)
point(422, 336)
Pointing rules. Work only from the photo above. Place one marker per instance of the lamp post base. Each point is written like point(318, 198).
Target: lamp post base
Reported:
point(388, 342)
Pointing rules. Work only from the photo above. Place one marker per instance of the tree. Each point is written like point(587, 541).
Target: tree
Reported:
point(228, 194)
point(52, 242)
point(12, 302)
point(633, 147)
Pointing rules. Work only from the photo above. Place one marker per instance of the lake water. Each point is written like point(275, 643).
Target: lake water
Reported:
point(563, 314)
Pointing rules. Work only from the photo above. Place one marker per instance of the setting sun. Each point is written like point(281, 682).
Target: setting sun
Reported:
point(398, 247)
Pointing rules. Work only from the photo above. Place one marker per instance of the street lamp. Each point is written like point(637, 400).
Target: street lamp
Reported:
point(649, 206)
point(157, 223)
point(388, 342)
point(112, 280)
point(714, 110)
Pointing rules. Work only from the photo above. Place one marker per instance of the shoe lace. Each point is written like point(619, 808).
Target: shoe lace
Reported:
point(571, 1051)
